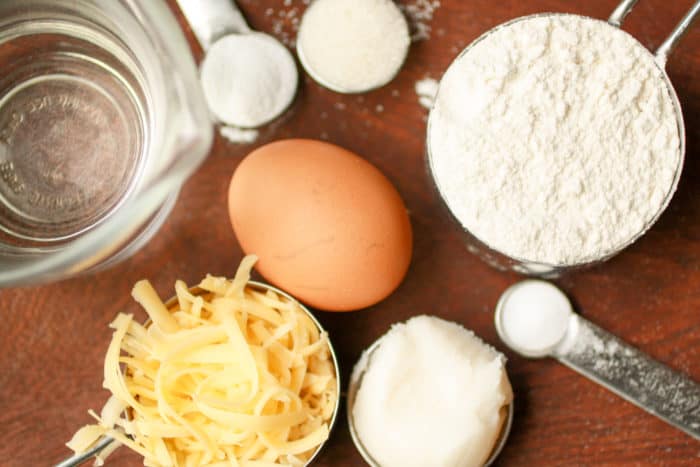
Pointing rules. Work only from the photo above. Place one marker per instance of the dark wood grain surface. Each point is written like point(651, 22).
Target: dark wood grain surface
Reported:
point(53, 337)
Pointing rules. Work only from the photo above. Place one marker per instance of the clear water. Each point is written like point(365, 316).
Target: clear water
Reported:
point(72, 126)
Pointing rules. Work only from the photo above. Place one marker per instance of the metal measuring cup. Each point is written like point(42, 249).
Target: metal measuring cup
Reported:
point(102, 443)
point(355, 383)
point(604, 358)
point(502, 261)
point(217, 21)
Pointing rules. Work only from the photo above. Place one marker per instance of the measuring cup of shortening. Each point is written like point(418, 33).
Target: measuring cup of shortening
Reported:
point(101, 121)
point(503, 261)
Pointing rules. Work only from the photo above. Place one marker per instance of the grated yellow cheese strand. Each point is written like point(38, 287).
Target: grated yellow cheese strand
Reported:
point(144, 293)
point(231, 377)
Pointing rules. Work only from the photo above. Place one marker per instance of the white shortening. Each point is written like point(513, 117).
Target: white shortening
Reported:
point(431, 394)
point(248, 79)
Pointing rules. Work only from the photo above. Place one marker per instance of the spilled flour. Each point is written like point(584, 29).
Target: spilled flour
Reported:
point(239, 135)
point(426, 90)
point(419, 14)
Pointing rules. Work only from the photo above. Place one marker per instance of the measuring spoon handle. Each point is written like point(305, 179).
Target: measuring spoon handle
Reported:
point(621, 12)
point(213, 19)
point(667, 46)
point(631, 374)
point(670, 42)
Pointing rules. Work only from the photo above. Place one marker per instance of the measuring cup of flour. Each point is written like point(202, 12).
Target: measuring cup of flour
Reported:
point(101, 121)
point(557, 140)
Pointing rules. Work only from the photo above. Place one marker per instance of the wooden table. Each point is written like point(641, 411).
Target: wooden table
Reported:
point(53, 338)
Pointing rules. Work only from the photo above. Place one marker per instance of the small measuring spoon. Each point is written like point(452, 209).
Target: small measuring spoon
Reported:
point(535, 319)
point(218, 25)
point(356, 382)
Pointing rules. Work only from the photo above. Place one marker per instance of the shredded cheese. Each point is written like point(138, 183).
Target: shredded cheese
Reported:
point(229, 376)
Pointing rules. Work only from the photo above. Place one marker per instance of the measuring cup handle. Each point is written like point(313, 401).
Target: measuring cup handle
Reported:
point(621, 12)
point(631, 374)
point(83, 457)
point(661, 54)
point(670, 43)
point(213, 19)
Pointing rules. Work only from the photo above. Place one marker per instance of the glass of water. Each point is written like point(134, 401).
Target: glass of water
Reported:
point(101, 121)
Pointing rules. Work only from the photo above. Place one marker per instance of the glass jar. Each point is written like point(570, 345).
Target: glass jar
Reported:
point(102, 120)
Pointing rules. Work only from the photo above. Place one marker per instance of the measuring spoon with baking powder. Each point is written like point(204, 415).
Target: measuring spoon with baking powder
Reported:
point(535, 319)
point(220, 26)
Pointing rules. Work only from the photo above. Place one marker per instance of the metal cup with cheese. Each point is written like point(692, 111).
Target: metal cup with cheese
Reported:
point(233, 373)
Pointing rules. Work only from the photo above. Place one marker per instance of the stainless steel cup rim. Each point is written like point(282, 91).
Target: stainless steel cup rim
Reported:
point(356, 382)
point(105, 441)
point(533, 267)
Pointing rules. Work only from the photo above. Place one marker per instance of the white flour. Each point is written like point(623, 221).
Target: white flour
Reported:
point(554, 139)
point(285, 20)
point(419, 14)
point(426, 90)
point(239, 135)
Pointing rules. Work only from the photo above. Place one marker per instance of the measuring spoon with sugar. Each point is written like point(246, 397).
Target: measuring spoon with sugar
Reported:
point(249, 78)
point(535, 319)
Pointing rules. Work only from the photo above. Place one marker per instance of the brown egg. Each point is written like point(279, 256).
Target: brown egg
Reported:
point(328, 227)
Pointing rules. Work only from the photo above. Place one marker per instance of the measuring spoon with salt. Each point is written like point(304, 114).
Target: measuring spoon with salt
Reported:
point(535, 319)
point(249, 78)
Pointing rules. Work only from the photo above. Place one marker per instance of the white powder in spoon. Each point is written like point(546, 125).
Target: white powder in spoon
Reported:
point(554, 139)
point(431, 394)
point(353, 46)
point(420, 14)
point(248, 79)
